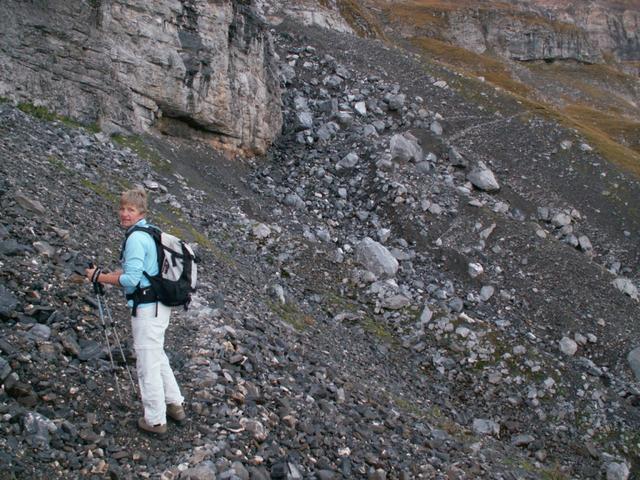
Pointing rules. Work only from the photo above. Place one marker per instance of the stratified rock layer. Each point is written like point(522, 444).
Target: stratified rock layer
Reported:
point(187, 67)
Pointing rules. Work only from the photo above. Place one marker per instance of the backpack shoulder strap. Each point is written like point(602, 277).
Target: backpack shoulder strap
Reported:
point(154, 232)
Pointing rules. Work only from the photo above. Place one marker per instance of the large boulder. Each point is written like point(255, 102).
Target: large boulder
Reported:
point(483, 178)
point(404, 147)
point(376, 258)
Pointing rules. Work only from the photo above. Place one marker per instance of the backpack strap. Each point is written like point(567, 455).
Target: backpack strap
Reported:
point(152, 231)
point(143, 295)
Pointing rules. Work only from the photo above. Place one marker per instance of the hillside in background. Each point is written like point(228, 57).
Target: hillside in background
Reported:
point(578, 62)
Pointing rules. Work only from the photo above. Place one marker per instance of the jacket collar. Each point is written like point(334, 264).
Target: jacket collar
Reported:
point(140, 223)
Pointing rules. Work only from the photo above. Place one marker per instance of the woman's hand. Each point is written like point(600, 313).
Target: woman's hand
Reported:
point(112, 278)
point(89, 272)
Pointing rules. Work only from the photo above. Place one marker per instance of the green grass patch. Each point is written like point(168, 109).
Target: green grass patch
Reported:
point(627, 444)
point(378, 330)
point(337, 303)
point(101, 191)
point(469, 63)
point(432, 14)
point(137, 145)
point(618, 128)
point(610, 150)
point(615, 138)
point(38, 112)
point(358, 17)
point(409, 407)
point(43, 113)
point(598, 86)
point(546, 473)
point(57, 163)
point(291, 314)
point(416, 12)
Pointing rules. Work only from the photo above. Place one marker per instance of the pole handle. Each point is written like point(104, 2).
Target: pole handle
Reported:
point(98, 288)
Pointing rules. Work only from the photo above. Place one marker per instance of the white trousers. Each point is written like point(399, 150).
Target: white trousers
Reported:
point(158, 385)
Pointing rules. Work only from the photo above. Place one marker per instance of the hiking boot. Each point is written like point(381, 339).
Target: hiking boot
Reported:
point(175, 412)
point(159, 429)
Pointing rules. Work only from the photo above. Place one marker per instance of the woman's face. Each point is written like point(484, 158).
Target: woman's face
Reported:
point(129, 215)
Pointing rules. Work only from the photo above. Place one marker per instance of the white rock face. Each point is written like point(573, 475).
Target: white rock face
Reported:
point(321, 17)
point(202, 69)
point(376, 258)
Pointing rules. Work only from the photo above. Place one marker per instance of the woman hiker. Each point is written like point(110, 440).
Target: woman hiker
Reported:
point(159, 390)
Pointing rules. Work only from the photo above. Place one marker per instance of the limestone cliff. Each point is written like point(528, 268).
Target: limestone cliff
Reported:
point(585, 31)
point(519, 35)
point(190, 67)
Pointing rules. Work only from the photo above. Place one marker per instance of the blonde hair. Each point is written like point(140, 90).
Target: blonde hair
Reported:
point(136, 197)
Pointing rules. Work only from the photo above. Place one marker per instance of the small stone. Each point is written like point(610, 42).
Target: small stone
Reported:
point(580, 339)
point(561, 220)
point(519, 350)
point(360, 108)
point(29, 203)
point(261, 231)
point(349, 161)
point(584, 243)
point(626, 286)
point(44, 249)
point(486, 292)
point(633, 358)
point(483, 178)
point(617, 471)
point(378, 474)
point(523, 440)
point(568, 346)
point(475, 270)
point(426, 315)
point(8, 303)
point(483, 426)
point(586, 147)
point(436, 128)
point(41, 331)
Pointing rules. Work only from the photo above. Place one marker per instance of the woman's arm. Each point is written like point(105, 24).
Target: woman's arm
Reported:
point(131, 274)
point(112, 278)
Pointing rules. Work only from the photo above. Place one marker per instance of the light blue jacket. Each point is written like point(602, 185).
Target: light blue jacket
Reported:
point(139, 256)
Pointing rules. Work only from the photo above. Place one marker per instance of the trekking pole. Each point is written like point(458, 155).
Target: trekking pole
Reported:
point(98, 289)
point(119, 344)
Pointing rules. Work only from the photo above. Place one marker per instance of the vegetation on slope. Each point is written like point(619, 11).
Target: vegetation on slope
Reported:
point(596, 100)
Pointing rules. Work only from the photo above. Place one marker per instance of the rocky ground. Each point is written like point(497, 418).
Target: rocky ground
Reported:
point(420, 280)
